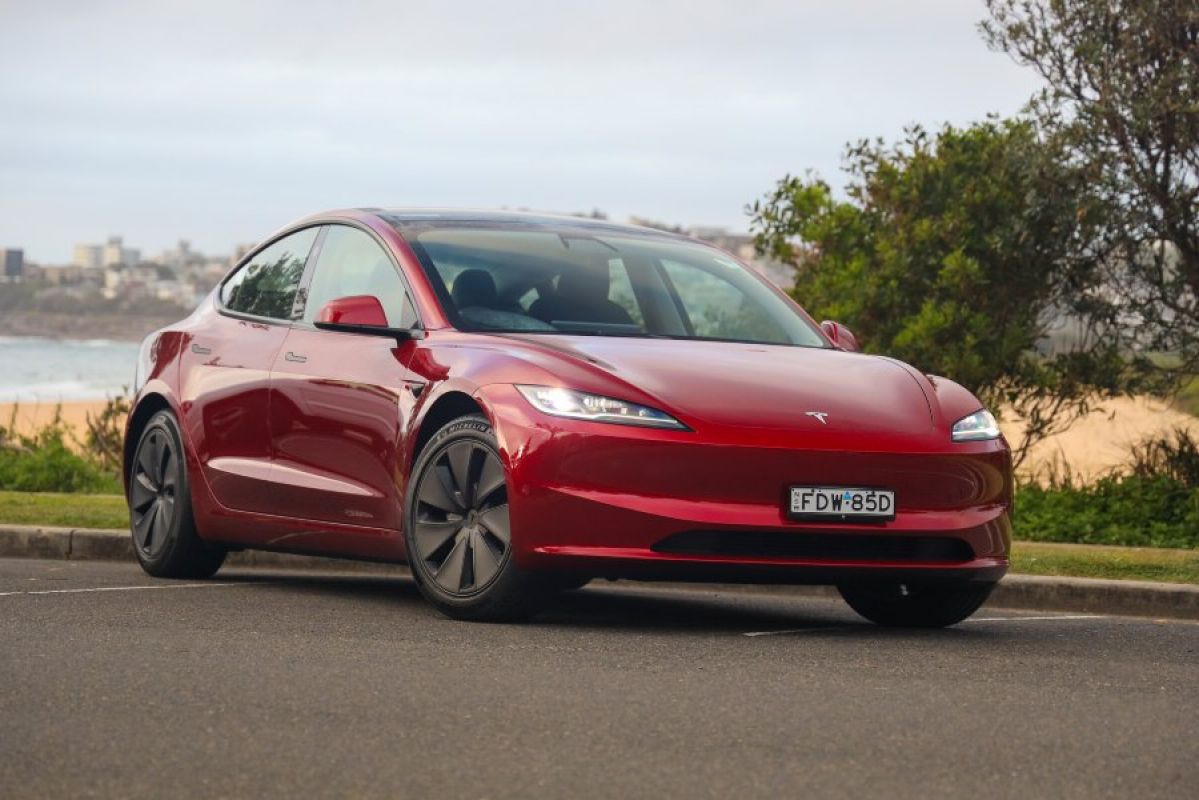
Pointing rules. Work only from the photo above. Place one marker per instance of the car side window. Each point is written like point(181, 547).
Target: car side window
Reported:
point(352, 263)
point(266, 285)
point(717, 308)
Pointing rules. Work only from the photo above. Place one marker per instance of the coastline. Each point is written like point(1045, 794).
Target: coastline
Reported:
point(61, 326)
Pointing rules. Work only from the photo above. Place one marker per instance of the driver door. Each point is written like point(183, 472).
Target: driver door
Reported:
point(339, 406)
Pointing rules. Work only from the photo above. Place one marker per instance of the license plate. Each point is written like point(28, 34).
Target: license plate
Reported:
point(841, 503)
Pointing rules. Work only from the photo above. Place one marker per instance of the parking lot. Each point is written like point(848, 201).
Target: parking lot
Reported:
point(272, 684)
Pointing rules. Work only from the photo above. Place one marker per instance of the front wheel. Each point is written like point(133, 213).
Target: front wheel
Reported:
point(457, 530)
point(916, 605)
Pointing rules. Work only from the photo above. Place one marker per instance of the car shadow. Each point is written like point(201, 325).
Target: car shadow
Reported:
point(719, 610)
point(386, 586)
point(630, 606)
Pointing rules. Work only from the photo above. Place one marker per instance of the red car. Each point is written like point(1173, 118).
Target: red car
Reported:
point(515, 404)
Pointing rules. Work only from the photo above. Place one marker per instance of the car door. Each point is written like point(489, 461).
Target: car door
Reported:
point(338, 400)
point(224, 376)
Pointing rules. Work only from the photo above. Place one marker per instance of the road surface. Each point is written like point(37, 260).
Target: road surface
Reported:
point(269, 684)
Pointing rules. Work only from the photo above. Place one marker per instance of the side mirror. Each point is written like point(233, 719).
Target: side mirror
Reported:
point(360, 309)
point(841, 336)
point(360, 313)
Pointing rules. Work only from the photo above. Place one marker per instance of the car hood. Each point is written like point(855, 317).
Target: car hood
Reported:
point(759, 386)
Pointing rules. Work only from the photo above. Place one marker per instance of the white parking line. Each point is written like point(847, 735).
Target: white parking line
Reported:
point(819, 628)
point(801, 630)
point(129, 588)
point(1036, 619)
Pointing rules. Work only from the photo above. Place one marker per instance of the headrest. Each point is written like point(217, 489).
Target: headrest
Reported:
point(474, 288)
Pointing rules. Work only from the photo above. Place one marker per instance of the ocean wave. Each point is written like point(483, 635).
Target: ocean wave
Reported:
point(56, 391)
point(55, 342)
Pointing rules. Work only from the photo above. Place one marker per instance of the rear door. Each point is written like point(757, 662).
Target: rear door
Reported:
point(338, 400)
point(225, 371)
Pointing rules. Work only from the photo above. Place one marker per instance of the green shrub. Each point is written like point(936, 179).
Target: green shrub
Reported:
point(43, 462)
point(1153, 501)
point(1129, 510)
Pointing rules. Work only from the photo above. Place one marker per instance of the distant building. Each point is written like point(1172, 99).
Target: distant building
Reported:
point(114, 279)
point(68, 275)
point(115, 253)
point(88, 256)
point(180, 256)
point(14, 264)
point(109, 254)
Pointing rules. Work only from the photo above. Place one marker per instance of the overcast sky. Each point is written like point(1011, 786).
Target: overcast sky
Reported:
point(220, 121)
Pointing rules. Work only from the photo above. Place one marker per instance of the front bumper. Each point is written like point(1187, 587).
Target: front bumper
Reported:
point(614, 501)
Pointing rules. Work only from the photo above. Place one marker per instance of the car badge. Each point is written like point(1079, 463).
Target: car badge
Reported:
point(820, 415)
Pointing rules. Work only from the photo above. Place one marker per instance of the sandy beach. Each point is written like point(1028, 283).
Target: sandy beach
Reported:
point(1101, 441)
point(34, 416)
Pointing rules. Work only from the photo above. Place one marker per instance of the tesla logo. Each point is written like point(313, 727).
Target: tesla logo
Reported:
point(820, 415)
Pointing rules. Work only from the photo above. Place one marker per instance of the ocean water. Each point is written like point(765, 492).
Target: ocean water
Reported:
point(35, 370)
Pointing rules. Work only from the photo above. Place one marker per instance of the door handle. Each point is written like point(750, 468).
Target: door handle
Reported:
point(201, 351)
point(294, 358)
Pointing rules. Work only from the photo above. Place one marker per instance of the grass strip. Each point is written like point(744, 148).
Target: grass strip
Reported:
point(64, 510)
point(1100, 561)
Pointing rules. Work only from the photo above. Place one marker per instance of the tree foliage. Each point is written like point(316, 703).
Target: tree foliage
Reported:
point(1122, 95)
point(962, 252)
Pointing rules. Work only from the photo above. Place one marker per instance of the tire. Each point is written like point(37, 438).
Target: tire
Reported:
point(457, 530)
point(916, 605)
point(160, 510)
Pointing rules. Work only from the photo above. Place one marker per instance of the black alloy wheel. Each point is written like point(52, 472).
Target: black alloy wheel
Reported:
point(152, 491)
point(462, 533)
point(165, 539)
point(458, 530)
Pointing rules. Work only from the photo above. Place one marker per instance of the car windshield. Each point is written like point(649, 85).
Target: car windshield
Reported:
point(538, 278)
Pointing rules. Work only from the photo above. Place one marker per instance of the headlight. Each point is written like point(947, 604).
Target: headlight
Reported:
point(979, 425)
point(593, 407)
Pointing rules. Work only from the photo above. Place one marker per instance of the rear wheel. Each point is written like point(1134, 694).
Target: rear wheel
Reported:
point(160, 514)
point(458, 531)
point(916, 605)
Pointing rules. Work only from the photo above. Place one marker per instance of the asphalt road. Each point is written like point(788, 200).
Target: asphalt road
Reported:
point(269, 684)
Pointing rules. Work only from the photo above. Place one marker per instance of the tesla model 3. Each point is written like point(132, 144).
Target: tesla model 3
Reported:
point(516, 404)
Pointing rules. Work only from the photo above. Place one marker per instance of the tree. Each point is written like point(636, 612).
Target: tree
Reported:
point(964, 253)
point(1122, 95)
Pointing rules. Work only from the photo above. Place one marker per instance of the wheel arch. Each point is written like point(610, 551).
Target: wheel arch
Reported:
point(448, 406)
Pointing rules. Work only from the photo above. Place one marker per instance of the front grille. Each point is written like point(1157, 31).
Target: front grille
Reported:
point(820, 546)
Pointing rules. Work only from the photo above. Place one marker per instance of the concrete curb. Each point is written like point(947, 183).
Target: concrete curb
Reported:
point(90, 544)
point(1087, 595)
point(1095, 596)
